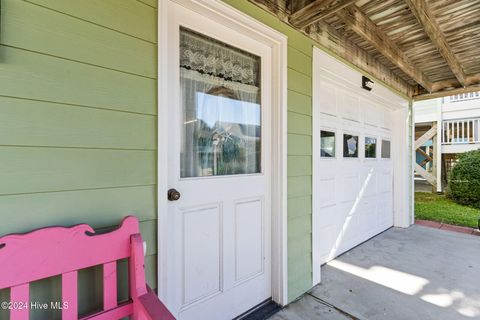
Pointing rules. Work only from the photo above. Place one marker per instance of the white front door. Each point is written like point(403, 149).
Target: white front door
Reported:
point(218, 158)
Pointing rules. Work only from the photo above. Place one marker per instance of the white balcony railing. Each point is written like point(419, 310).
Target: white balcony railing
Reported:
point(462, 97)
point(464, 131)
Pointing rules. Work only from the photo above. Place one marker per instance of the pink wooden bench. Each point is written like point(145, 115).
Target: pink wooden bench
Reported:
point(52, 251)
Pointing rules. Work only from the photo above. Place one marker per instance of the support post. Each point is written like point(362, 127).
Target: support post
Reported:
point(438, 146)
point(434, 162)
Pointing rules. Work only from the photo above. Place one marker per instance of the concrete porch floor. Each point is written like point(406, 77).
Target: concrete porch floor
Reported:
point(415, 273)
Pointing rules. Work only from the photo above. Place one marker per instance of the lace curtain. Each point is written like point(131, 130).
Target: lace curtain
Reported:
point(209, 56)
point(220, 96)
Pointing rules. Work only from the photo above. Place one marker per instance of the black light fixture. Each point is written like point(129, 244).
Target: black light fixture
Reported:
point(367, 84)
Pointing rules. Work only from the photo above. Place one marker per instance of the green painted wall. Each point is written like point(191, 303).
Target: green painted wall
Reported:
point(78, 125)
point(299, 149)
point(78, 122)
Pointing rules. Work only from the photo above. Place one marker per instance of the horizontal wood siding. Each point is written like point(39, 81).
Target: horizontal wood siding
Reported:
point(78, 124)
point(299, 149)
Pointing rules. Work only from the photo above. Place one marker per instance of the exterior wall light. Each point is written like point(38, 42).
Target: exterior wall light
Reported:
point(367, 84)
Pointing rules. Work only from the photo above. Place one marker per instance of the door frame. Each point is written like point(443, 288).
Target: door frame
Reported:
point(237, 20)
point(339, 72)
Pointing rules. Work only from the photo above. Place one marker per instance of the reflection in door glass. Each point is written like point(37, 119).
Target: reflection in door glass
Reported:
point(327, 144)
point(350, 146)
point(370, 147)
point(220, 98)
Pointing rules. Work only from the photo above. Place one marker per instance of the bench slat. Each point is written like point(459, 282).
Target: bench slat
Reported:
point(119, 312)
point(75, 248)
point(69, 295)
point(109, 285)
point(20, 299)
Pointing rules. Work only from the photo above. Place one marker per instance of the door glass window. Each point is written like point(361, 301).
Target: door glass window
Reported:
point(220, 99)
point(350, 146)
point(327, 144)
point(385, 149)
point(370, 147)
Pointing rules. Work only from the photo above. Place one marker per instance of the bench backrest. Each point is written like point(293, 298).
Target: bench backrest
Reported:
point(52, 251)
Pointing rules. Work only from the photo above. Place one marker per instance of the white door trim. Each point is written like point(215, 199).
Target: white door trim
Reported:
point(344, 76)
point(233, 18)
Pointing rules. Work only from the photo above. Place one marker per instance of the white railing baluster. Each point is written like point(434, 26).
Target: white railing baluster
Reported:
point(463, 97)
point(443, 132)
point(459, 132)
point(468, 131)
point(475, 131)
point(448, 133)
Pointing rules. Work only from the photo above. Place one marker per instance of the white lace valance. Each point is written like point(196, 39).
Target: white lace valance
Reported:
point(211, 57)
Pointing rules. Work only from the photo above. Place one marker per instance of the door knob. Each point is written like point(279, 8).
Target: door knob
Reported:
point(173, 195)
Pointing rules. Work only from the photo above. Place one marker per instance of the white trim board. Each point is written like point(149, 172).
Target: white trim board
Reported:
point(233, 19)
point(338, 74)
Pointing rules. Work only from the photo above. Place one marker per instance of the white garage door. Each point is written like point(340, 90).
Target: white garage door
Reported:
point(353, 171)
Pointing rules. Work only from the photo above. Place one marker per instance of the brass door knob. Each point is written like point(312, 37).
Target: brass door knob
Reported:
point(173, 195)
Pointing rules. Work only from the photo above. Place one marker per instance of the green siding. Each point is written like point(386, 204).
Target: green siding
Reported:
point(299, 149)
point(58, 125)
point(43, 30)
point(78, 123)
point(130, 17)
point(30, 75)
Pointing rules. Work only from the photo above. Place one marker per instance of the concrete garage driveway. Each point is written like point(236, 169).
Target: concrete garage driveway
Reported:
point(405, 274)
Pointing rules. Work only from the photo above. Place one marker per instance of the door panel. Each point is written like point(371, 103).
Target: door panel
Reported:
point(249, 235)
point(201, 264)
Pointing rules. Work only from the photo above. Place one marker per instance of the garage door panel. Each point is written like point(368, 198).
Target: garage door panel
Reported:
point(327, 193)
point(384, 210)
point(328, 92)
point(387, 120)
point(354, 194)
point(369, 182)
point(349, 107)
point(374, 116)
point(385, 181)
point(350, 188)
point(328, 230)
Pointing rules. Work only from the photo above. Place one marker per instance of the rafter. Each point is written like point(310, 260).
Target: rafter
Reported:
point(331, 40)
point(317, 10)
point(364, 27)
point(427, 20)
point(473, 79)
point(446, 93)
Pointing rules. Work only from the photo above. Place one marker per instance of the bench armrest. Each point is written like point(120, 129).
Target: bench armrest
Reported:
point(153, 308)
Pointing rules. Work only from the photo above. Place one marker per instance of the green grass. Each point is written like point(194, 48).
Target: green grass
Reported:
point(434, 207)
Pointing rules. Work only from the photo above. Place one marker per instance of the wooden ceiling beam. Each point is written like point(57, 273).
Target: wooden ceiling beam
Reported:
point(427, 20)
point(358, 22)
point(446, 93)
point(330, 40)
point(316, 11)
point(448, 84)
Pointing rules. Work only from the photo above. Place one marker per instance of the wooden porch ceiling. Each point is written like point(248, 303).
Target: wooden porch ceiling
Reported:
point(422, 48)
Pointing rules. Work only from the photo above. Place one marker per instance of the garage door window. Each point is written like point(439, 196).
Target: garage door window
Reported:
point(370, 147)
point(350, 146)
point(385, 149)
point(327, 144)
